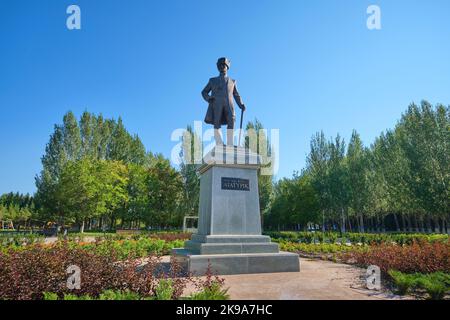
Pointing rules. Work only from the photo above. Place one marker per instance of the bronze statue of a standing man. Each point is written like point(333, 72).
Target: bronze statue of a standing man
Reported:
point(221, 108)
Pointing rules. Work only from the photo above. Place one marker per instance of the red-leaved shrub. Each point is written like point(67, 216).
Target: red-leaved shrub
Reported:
point(27, 274)
point(422, 257)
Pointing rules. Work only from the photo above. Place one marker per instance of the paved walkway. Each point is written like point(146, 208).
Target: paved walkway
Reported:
point(317, 280)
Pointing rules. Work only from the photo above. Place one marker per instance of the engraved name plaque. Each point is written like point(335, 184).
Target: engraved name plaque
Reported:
point(235, 184)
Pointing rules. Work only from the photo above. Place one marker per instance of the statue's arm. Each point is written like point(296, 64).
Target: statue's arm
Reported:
point(237, 97)
point(206, 91)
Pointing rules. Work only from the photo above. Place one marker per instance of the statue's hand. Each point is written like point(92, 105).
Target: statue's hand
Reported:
point(211, 99)
point(243, 107)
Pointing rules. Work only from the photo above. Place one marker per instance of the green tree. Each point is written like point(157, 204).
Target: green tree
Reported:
point(294, 204)
point(92, 137)
point(262, 147)
point(423, 134)
point(318, 168)
point(137, 207)
point(165, 192)
point(17, 207)
point(357, 171)
point(191, 154)
point(92, 188)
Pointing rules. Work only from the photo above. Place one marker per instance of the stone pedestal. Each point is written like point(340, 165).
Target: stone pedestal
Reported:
point(229, 227)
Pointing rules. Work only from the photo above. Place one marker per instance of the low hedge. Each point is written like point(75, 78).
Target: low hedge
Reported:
point(436, 285)
point(130, 248)
point(320, 248)
point(364, 238)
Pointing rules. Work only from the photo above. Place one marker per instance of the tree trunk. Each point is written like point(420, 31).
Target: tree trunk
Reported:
point(428, 222)
point(408, 221)
point(378, 224)
point(113, 223)
point(422, 226)
point(350, 224)
point(343, 221)
point(437, 228)
point(82, 226)
point(361, 223)
point(323, 220)
point(416, 225)
point(403, 223)
point(444, 226)
point(397, 226)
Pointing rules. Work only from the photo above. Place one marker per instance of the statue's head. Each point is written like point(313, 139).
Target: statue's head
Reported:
point(223, 64)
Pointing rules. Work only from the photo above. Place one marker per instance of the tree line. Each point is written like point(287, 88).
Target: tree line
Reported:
point(97, 175)
point(15, 207)
point(400, 182)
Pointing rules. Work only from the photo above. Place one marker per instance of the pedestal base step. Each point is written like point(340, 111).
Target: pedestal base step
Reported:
point(230, 248)
point(226, 264)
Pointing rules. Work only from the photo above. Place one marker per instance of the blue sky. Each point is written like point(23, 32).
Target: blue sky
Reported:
point(302, 66)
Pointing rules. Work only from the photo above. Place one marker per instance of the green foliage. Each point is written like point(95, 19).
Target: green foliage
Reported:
point(260, 144)
point(93, 138)
point(125, 249)
point(96, 173)
point(165, 187)
point(212, 292)
point(14, 239)
point(69, 296)
point(294, 201)
point(403, 282)
point(17, 208)
point(50, 296)
point(191, 156)
point(316, 249)
point(164, 290)
point(404, 174)
point(119, 295)
point(437, 284)
point(354, 238)
point(91, 188)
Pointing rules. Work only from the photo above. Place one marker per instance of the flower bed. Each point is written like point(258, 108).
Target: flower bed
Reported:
point(423, 257)
point(39, 272)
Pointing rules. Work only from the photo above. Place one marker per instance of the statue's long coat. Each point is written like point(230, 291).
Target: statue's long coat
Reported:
point(221, 110)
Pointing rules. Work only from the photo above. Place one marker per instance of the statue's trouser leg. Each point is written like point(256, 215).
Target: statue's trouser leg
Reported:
point(218, 137)
point(219, 111)
point(230, 130)
point(230, 133)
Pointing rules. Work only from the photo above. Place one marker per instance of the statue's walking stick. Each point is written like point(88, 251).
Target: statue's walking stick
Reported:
point(240, 128)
